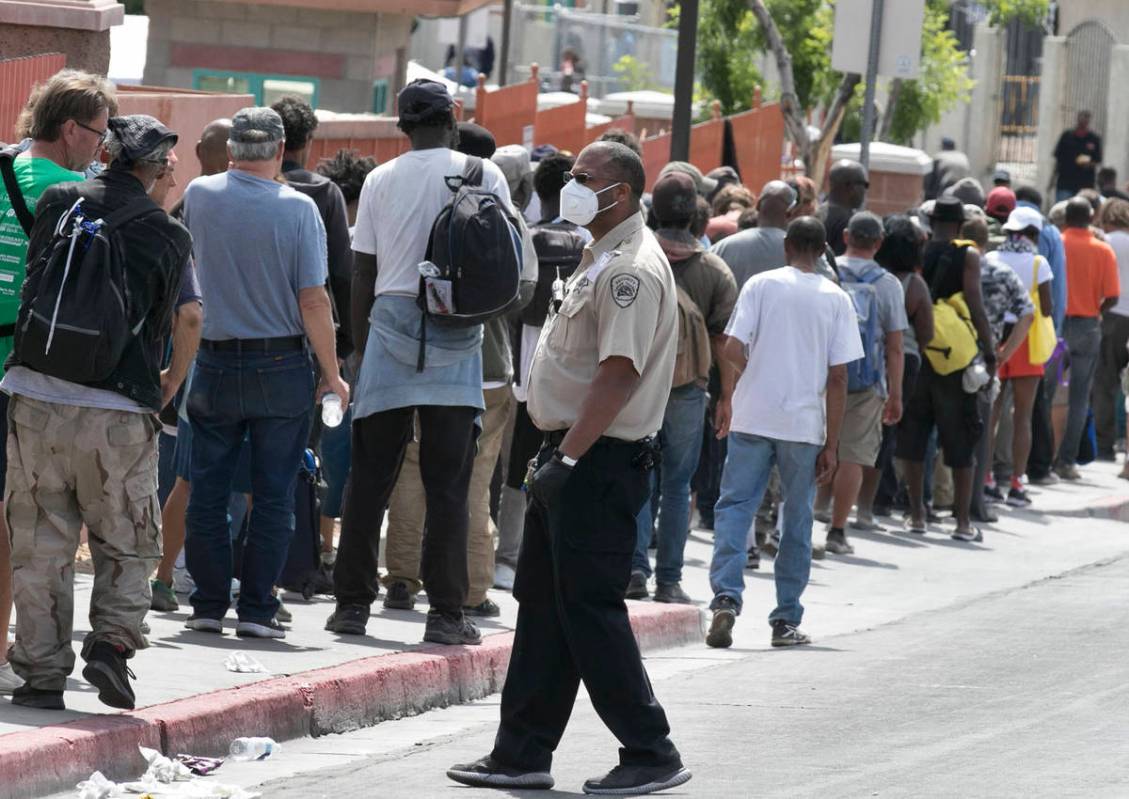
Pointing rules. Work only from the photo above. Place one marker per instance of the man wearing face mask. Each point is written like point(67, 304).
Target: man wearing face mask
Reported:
point(598, 384)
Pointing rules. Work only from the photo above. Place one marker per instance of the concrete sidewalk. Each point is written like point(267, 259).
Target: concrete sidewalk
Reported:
point(321, 683)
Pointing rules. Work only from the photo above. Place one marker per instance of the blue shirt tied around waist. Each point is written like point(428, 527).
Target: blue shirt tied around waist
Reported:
point(388, 378)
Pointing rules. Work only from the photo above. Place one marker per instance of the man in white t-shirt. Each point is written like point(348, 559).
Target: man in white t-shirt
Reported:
point(399, 202)
point(788, 344)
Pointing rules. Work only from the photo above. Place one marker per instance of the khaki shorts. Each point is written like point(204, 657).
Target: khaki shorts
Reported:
point(861, 437)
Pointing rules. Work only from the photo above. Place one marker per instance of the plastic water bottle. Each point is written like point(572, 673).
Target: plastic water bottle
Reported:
point(252, 748)
point(331, 412)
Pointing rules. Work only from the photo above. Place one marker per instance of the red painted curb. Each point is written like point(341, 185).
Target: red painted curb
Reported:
point(328, 700)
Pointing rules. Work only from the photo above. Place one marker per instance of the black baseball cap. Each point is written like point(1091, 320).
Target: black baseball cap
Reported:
point(674, 198)
point(476, 140)
point(422, 99)
point(139, 135)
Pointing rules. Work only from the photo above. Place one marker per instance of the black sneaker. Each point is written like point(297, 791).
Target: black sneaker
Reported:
point(348, 620)
point(993, 493)
point(705, 521)
point(637, 586)
point(637, 780)
point(399, 597)
point(1017, 498)
point(720, 635)
point(753, 559)
point(451, 629)
point(26, 696)
point(672, 593)
point(106, 670)
point(770, 547)
point(785, 633)
point(486, 772)
point(488, 609)
point(837, 543)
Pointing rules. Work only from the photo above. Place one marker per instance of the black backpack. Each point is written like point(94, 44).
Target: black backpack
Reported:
point(75, 319)
point(474, 255)
point(559, 247)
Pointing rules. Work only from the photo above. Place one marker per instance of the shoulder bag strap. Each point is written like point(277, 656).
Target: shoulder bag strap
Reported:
point(472, 175)
point(15, 196)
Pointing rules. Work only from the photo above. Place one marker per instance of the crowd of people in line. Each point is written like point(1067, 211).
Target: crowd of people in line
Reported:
point(746, 360)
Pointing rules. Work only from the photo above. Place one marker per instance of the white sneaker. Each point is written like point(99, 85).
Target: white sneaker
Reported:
point(9, 680)
point(504, 577)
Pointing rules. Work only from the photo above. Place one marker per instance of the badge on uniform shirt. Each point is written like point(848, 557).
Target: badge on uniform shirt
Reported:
point(625, 288)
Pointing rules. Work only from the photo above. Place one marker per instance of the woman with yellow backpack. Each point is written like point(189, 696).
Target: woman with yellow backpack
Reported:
point(952, 270)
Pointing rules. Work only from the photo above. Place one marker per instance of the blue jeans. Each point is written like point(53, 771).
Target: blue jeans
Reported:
point(743, 482)
point(681, 439)
point(235, 394)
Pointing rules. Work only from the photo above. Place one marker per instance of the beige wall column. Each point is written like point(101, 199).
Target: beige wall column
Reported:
point(1050, 110)
point(78, 28)
point(1116, 144)
point(982, 140)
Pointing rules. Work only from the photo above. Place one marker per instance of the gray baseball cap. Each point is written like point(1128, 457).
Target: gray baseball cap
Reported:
point(256, 125)
point(866, 226)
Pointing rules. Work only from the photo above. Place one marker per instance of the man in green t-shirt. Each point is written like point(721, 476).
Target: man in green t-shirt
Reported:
point(66, 119)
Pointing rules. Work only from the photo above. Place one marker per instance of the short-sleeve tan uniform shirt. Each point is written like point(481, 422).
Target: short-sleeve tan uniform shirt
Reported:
point(620, 301)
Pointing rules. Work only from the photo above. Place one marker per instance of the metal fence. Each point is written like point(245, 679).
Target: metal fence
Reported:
point(17, 77)
point(544, 35)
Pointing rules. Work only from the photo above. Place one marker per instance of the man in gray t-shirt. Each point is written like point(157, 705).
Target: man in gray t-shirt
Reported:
point(261, 257)
point(750, 252)
point(869, 406)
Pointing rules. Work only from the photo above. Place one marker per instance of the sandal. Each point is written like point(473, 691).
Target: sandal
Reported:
point(971, 536)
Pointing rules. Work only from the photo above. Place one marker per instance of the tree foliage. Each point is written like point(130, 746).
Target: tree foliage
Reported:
point(1033, 12)
point(944, 81)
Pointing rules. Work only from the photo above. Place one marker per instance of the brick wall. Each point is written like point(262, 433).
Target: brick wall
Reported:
point(345, 51)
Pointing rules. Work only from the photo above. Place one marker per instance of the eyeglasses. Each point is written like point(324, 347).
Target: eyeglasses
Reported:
point(581, 177)
point(101, 134)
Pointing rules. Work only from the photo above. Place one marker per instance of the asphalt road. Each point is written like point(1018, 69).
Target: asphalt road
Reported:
point(1022, 692)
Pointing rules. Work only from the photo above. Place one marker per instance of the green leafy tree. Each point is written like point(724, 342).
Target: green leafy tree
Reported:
point(634, 74)
point(913, 105)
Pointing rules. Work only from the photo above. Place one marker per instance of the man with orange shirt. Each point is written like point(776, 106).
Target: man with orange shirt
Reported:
point(1092, 287)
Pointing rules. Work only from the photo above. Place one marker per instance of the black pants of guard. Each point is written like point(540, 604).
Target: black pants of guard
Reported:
point(572, 621)
point(446, 457)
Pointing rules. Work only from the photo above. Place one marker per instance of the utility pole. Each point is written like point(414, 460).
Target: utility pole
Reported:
point(877, 7)
point(684, 81)
point(507, 24)
point(460, 51)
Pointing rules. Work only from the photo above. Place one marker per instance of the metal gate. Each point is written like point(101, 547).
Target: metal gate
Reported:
point(1088, 50)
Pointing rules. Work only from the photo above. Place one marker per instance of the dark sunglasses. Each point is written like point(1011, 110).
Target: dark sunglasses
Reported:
point(581, 177)
point(101, 134)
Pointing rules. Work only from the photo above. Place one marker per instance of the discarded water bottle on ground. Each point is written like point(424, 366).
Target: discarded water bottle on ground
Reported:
point(331, 412)
point(252, 748)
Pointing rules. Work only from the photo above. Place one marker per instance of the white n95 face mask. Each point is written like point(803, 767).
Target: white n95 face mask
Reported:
point(580, 205)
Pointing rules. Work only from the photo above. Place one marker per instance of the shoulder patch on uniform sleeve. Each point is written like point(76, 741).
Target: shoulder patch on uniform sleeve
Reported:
point(625, 288)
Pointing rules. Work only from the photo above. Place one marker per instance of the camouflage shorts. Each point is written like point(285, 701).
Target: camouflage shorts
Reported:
point(69, 466)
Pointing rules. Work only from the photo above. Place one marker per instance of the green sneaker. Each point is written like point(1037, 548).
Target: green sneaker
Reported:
point(164, 600)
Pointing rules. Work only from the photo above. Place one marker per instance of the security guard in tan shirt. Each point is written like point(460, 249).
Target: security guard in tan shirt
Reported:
point(598, 385)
